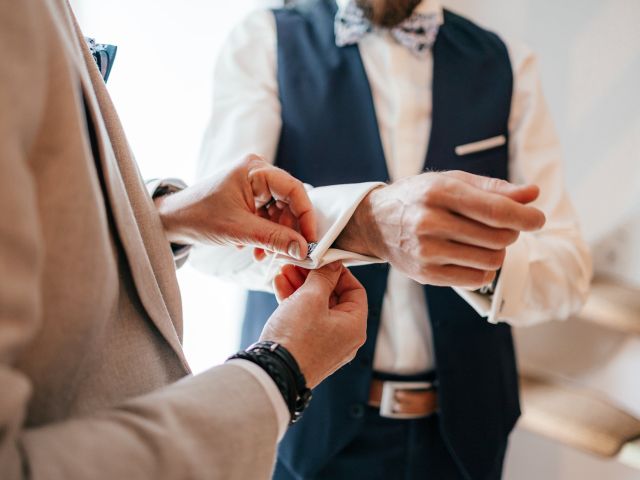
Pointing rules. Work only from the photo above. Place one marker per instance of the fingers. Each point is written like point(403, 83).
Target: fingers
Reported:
point(269, 182)
point(259, 254)
point(347, 289)
point(275, 238)
point(288, 219)
point(273, 213)
point(491, 209)
point(282, 287)
point(324, 280)
point(445, 252)
point(295, 275)
point(520, 193)
point(451, 226)
point(289, 279)
point(279, 213)
point(457, 276)
point(524, 194)
point(351, 295)
point(276, 214)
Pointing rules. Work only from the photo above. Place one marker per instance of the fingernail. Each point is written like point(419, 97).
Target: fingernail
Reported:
point(543, 220)
point(294, 250)
point(335, 266)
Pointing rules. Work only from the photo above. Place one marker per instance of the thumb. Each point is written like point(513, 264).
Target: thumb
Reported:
point(323, 281)
point(275, 238)
point(518, 193)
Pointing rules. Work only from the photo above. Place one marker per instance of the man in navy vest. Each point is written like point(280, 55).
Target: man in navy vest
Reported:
point(357, 99)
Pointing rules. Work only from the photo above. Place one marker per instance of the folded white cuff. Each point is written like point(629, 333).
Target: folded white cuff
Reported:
point(333, 217)
point(508, 292)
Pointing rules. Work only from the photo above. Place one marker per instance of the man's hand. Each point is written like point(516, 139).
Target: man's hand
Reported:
point(231, 209)
point(446, 229)
point(322, 318)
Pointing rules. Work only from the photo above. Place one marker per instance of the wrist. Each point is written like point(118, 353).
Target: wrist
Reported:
point(171, 212)
point(283, 369)
point(362, 234)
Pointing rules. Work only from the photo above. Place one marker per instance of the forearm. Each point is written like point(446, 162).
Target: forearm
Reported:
point(194, 428)
point(179, 226)
point(362, 234)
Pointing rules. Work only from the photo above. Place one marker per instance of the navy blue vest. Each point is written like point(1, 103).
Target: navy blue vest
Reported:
point(330, 136)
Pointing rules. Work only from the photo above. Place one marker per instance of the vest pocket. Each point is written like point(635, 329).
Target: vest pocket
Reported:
point(481, 145)
point(491, 162)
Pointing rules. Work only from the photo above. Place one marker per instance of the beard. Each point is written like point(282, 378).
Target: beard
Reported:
point(387, 13)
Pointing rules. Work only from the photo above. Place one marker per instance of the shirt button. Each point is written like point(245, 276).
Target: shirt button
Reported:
point(356, 410)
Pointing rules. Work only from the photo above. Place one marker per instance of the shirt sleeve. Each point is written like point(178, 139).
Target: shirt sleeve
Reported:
point(245, 115)
point(546, 274)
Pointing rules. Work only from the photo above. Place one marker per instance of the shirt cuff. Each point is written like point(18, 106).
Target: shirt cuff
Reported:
point(282, 412)
point(157, 187)
point(508, 292)
point(334, 206)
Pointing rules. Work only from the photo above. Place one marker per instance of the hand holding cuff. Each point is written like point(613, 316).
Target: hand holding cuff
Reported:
point(332, 217)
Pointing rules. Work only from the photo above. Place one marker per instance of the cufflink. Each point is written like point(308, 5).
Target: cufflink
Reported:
point(489, 290)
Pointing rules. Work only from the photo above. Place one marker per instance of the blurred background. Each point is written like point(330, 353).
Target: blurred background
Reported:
point(589, 53)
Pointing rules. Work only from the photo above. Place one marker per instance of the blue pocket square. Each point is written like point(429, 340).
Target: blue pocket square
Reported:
point(104, 55)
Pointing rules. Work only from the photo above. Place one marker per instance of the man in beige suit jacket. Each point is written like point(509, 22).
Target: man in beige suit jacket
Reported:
point(93, 380)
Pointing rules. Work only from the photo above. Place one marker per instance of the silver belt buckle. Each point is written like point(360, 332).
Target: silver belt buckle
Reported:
point(388, 401)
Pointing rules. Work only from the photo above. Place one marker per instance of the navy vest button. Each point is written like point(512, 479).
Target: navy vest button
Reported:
point(356, 410)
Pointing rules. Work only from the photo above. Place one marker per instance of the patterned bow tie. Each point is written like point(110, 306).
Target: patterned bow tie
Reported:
point(417, 32)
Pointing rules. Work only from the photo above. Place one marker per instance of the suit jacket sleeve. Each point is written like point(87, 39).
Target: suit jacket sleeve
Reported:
point(219, 424)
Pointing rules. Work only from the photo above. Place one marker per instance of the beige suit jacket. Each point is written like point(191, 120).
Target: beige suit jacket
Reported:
point(93, 380)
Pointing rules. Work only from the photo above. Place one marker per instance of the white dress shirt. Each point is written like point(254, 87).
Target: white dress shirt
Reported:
point(545, 274)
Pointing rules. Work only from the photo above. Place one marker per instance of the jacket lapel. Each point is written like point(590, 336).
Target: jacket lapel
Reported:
point(138, 227)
